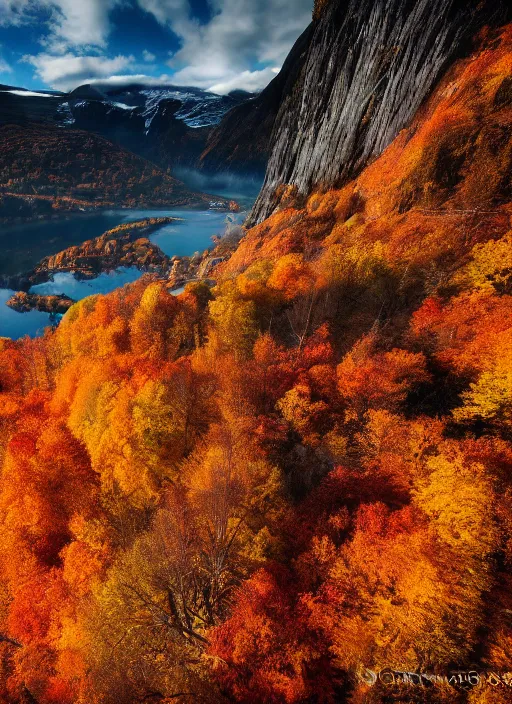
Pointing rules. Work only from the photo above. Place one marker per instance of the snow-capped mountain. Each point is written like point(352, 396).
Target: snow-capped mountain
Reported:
point(171, 126)
point(198, 108)
point(166, 124)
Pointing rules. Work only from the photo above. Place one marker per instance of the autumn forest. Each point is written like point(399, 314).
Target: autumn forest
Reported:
point(293, 485)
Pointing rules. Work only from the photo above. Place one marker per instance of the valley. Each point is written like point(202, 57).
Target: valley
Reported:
point(256, 446)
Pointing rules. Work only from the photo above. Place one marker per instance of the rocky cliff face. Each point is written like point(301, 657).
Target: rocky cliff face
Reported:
point(369, 66)
point(241, 142)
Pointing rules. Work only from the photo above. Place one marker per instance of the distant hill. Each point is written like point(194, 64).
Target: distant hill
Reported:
point(86, 92)
point(75, 169)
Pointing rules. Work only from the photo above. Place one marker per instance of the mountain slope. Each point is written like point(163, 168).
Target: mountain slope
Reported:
point(368, 68)
point(72, 168)
point(445, 180)
point(167, 124)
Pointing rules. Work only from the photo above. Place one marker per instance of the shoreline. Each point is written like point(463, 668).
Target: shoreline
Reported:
point(43, 271)
point(63, 215)
point(89, 209)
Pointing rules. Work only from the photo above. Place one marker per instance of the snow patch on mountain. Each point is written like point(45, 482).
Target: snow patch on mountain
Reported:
point(199, 109)
point(64, 115)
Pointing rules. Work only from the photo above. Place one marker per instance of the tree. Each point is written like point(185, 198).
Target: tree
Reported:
point(266, 652)
point(380, 380)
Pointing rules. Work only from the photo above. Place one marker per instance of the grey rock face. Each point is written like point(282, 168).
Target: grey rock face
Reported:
point(370, 65)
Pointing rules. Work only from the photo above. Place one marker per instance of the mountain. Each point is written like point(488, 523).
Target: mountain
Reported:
point(198, 108)
point(44, 168)
point(369, 66)
point(241, 142)
point(86, 92)
point(42, 133)
point(291, 483)
point(167, 124)
point(20, 106)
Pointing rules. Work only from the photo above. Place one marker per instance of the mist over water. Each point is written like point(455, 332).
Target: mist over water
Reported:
point(243, 189)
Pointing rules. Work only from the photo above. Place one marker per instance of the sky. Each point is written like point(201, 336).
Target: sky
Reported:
point(218, 45)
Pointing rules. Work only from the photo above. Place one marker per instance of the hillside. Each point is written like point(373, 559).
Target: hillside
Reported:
point(368, 68)
point(167, 125)
point(72, 168)
point(293, 487)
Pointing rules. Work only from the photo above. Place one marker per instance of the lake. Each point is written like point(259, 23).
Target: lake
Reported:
point(22, 246)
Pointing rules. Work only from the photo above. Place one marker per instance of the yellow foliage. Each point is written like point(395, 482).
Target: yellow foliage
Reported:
point(458, 496)
point(233, 320)
point(490, 398)
point(491, 266)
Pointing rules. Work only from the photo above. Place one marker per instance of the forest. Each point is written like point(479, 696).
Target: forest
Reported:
point(266, 491)
point(44, 169)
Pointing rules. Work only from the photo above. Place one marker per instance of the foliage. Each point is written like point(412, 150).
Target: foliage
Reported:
point(251, 492)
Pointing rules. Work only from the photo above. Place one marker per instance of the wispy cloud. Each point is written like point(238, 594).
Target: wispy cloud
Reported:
point(70, 23)
point(68, 71)
point(252, 81)
point(221, 54)
point(148, 56)
point(4, 66)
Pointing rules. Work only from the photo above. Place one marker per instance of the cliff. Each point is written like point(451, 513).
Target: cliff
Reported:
point(241, 142)
point(368, 68)
point(442, 186)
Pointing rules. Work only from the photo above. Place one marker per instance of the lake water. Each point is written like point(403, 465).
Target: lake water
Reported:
point(22, 246)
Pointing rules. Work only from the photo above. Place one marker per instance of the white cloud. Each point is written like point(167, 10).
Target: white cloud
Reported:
point(252, 81)
point(71, 23)
point(4, 66)
point(13, 11)
point(239, 46)
point(68, 71)
point(222, 54)
point(119, 81)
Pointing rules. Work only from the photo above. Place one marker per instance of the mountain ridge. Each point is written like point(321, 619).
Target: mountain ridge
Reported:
point(347, 106)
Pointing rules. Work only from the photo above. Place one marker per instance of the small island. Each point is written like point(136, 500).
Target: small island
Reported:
point(24, 302)
point(125, 245)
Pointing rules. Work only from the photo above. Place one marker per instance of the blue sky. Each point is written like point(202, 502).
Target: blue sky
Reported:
point(218, 45)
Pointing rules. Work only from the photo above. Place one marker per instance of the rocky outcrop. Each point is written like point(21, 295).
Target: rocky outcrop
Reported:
point(126, 245)
point(369, 66)
point(201, 266)
point(241, 142)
